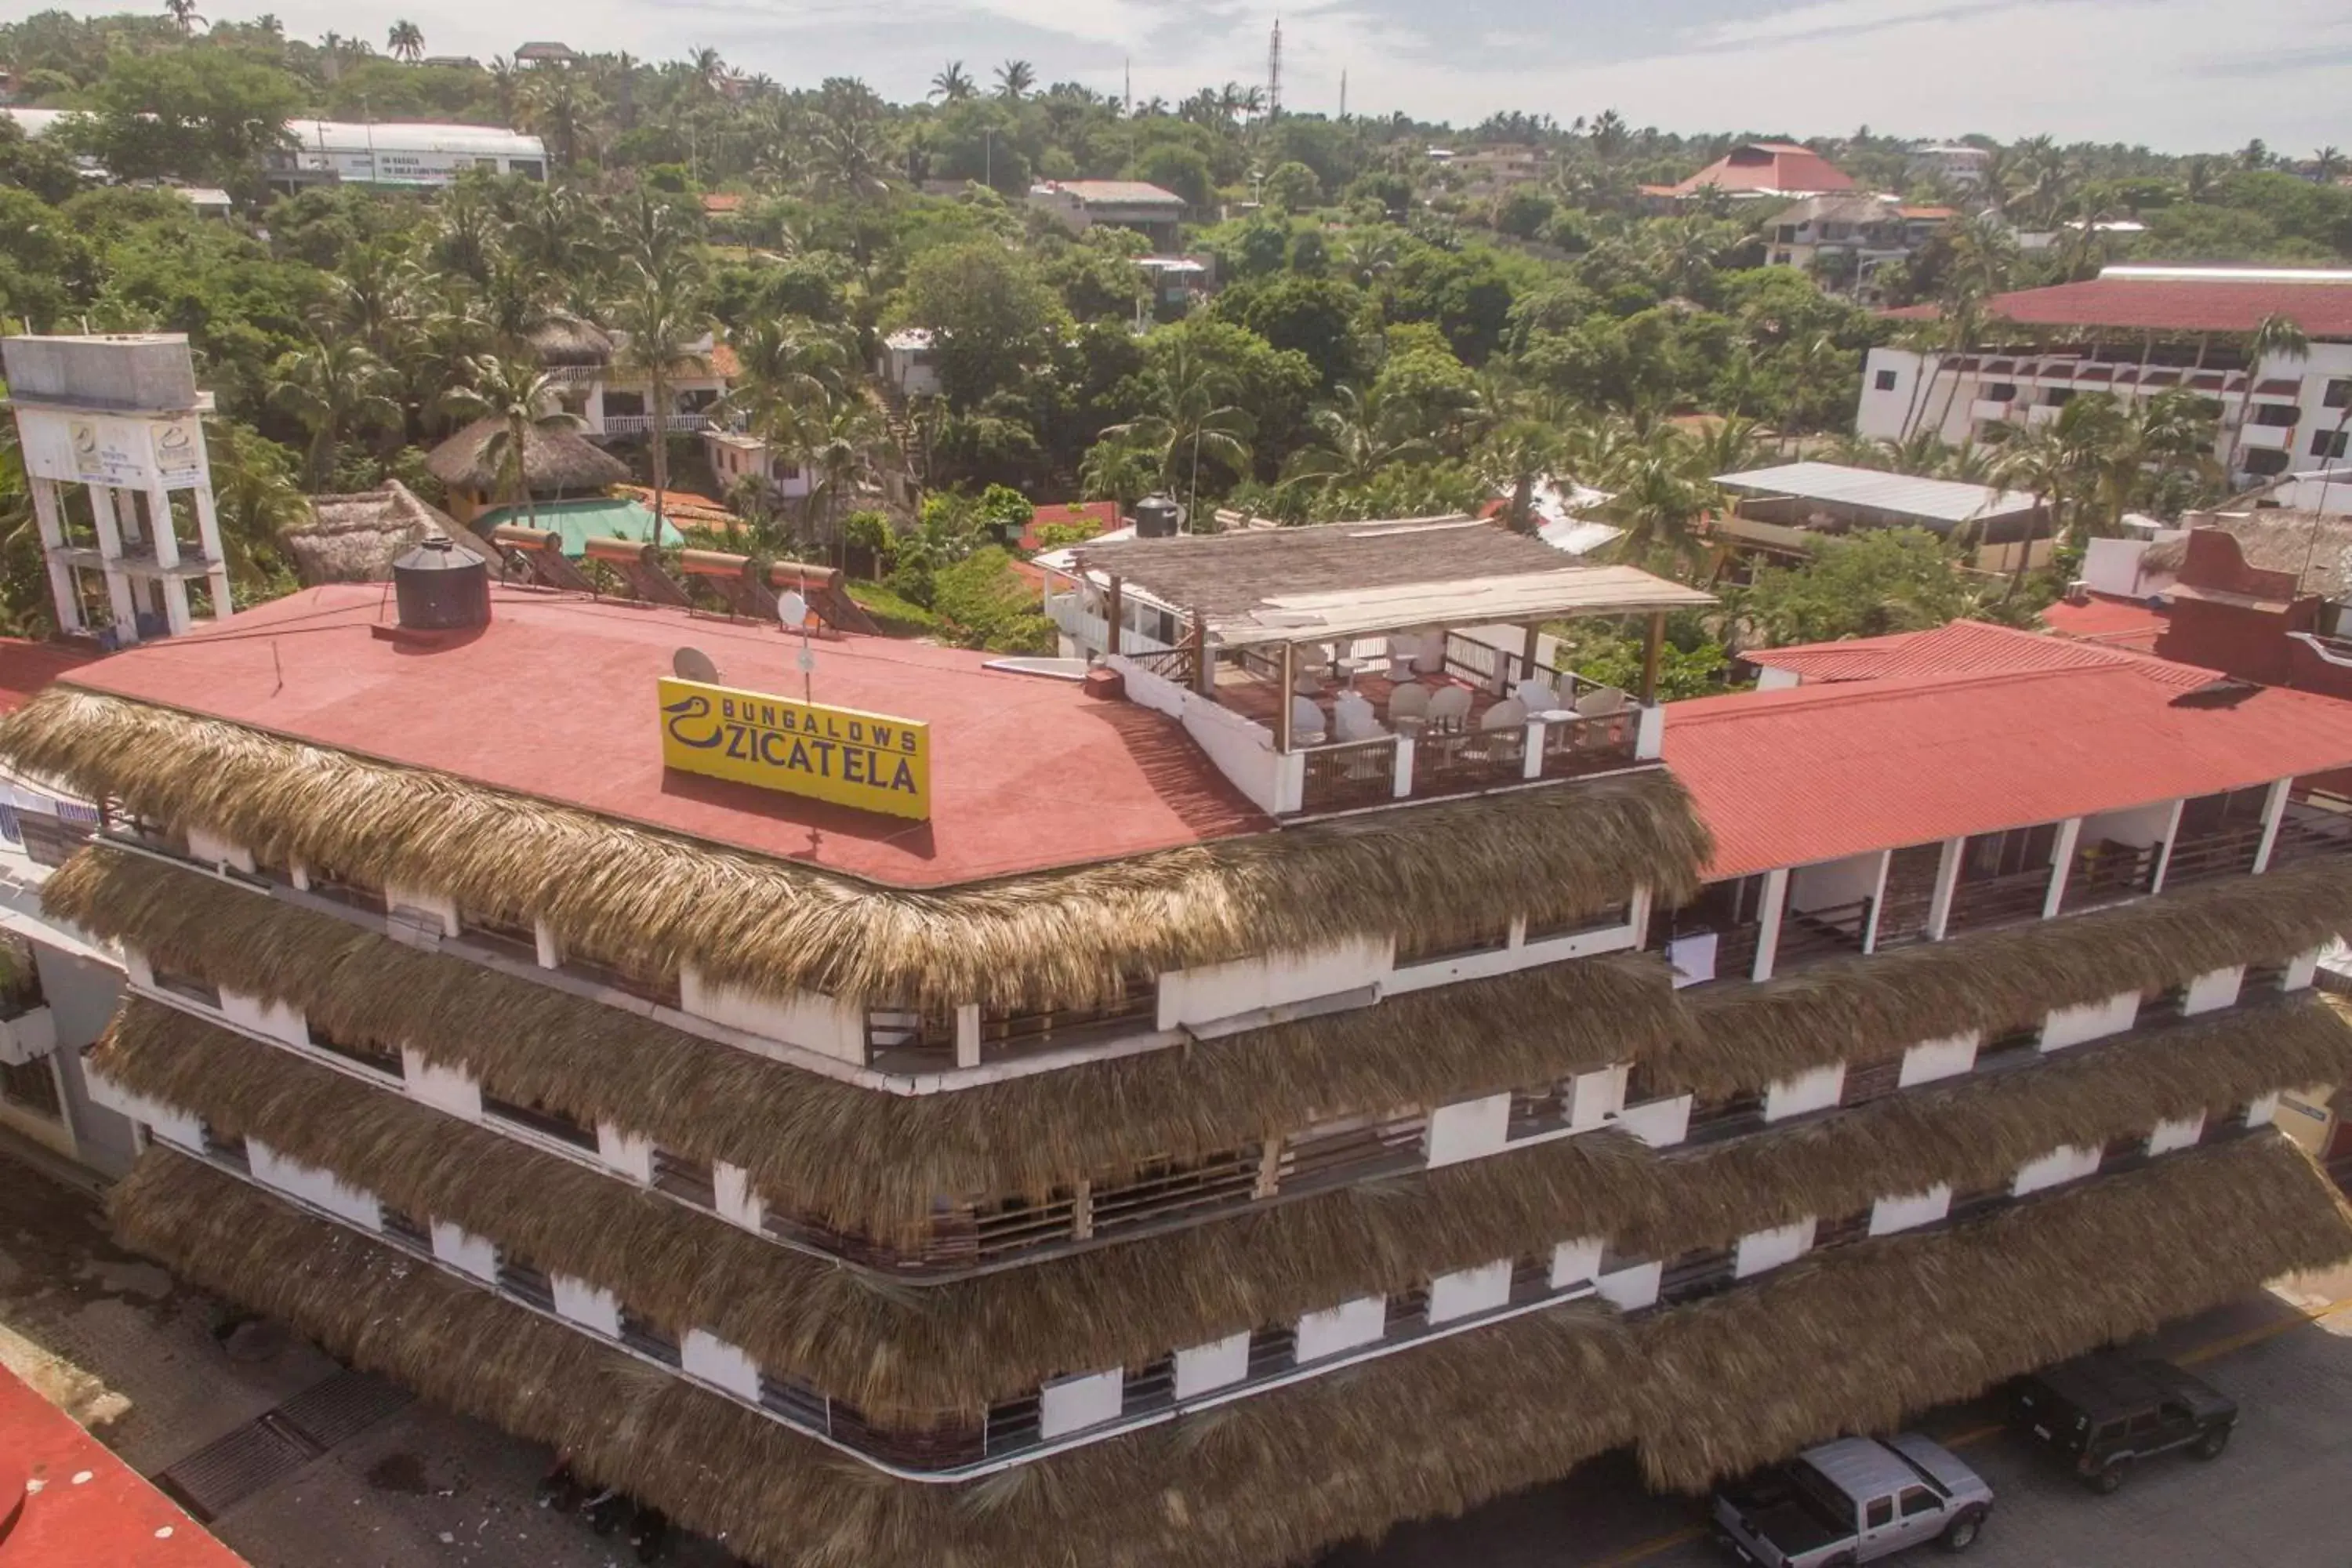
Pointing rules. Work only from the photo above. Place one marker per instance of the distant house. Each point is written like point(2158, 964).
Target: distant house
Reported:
point(546, 53)
point(1954, 163)
point(2263, 595)
point(1080, 204)
point(583, 358)
point(399, 152)
point(735, 455)
point(1500, 167)
point(1769, 168)
point(1854, 232)
point(1782, 512)
point(911, 362)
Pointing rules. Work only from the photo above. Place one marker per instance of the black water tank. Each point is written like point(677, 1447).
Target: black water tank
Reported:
point(1158, 517)
point(441, 588)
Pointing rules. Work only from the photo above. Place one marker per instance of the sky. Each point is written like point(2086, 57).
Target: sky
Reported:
point(2177, 75)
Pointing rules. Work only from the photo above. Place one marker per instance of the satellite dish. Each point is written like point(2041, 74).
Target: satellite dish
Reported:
point(792, 609)
point(693, 664)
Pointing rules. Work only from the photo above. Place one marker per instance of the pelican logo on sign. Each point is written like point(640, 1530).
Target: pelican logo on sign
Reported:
point(178, 454)
point(868, 761)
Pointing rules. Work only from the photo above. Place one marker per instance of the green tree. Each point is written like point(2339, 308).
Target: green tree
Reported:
point(2275, 336)
point(990, 313)
point(203, 113)
point(406, 41)
point(1292, 188)
point(1360, 437)
point(335, 388)
point(1015, 78)
point(952, 84)
point(521, 398)
point(661, 325)
point(1186, 419)
point(1871, 585)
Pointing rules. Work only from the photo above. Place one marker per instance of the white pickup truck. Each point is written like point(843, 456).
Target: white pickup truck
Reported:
point(1852, 1502)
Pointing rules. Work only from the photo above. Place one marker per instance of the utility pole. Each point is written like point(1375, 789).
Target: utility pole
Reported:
point(1343, 92)
point(1127, 92)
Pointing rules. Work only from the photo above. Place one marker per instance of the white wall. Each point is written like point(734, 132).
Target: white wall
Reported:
point(1932, 1059)
point(822, 1023)
point(2060, 1165)
point(1342, 1328)
point(1631, 1290)
point(213, 849)
point(2093, 1020)
point(737, 1202)
point(1762, 1249)
point(474, 1255)
point(2300, 970)
point(585, 1304)
point(2263, 1111)
point(1072, 1404)
point(1575, 1262)
point(441, 908)
point(1890, 1215)
point(2113, 566)
point(1834, 882)
point(626, 1153)
point(1772, 679)
point(2139, 827)
point(445, 1089)
point(1470, 1291)
point(313, 1187)
point(1661, 1123)
point(1216, 1364)
point(1594, 1097)
point(279, 1023)
point(2210, 992)
point(1469, 1131)
point(2181, 1134)
point(1215, 990)
point(1881, 413)
point(1242, 749)
point(1816, 1091)
point(715, 1360)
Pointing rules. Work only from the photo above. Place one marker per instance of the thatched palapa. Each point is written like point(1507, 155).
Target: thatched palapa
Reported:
point(559, 461)
point(957, 1347)
point(1863, 1009)
point(356, 537)
point(809, 1140)
point(652, 900)
point(1826, 1346)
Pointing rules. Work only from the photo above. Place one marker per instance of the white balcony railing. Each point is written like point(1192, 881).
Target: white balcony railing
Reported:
point(643, 423)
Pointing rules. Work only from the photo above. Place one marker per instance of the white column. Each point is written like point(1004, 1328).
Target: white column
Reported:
point(1768, 935)
point(2273, 814)
point(159, 525)
point(2062, 860)
point(208, 537)
point(1533, 766)
point(110, 546)
point(63, 589)
point(1947, 882)
point(1877, 901)
point(2171, 837)
point(1401, 785)
point(967, 1031)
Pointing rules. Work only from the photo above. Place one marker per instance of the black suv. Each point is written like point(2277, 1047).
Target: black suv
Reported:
point(2103, 1411)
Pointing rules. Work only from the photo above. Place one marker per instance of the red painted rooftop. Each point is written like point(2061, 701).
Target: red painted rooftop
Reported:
point(555, 699)
point(2322, 310)
point(1963, 648)
point(1102, 516)
point(27, 667)
point(1824, 771)
point(2108, 621)
point(90, 1511)
point(1768, 167)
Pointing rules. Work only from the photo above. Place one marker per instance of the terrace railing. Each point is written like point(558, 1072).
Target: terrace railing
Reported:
point(1349, 774)
point(1982, 902)
point(643, 423)
point(2108, 873)
point(1468, 759)
point(2209, 856)
point(2315, 824)
point(1831, 931)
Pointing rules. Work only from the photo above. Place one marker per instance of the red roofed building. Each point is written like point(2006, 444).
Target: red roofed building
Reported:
point(2132, 332)
point(66, 1501)
point(1769, 168)
point(1095, 517)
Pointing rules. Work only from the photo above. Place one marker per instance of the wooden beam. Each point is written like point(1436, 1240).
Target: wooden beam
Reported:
point(1528, 654)
point(1650, 652)
point(1282, 700)
point(1114, 607)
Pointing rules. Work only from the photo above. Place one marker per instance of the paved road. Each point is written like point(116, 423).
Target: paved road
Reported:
point(2281, 1498)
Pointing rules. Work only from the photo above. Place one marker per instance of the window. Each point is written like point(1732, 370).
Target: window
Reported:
point(2266, 460)
point(2276, 415)
point(2001, 392)
point(1885, 380)
point(1977, 1201)
point(2161, 1006)
point(537, 1119)
point(1694, 1274)
point(32, 1086)
point(640, 1334)
point(2147, 1421)
point(1014, 1425)
point(2329, 443)
point(1531, 1277)
point(1875, 1081)
point(1726, 1116)
point(1844, 1232)
point(2058, 397)
point(796, 1400)
point(365, 1053)
point(1151, 1386)
point(181, 984)
point(2339, 395)
point(1916, 1500)
point(1879, 1514)
point(2014, 1045)
point(221, 1146)
point(690, 1180)
point(1273, 1349)
point(1408, 1311)
point(401, 1227)
point(519, 1276)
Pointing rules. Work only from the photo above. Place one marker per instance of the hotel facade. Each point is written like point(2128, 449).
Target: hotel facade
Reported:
point(1008, 1180)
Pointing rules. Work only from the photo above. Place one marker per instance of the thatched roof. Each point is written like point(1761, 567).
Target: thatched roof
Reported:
point(1824, 1346)
point(1863, 1009)
point(2313, 547)
point(356, 538)
point(649, 901)
point(809, 1138)
point(908, 1357)
point(564, 339)
point(557, 461)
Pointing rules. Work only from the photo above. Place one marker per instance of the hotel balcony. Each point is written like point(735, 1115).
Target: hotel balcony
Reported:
point(2259, 437)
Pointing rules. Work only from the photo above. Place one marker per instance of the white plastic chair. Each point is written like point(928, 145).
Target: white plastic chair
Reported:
point(1429, 658)
point(1352, 718)
point(1508, 714)
point(1535, 696)
point(1305, 723)
point(1409, 702)
point(1600, 704)
point(1449, 709)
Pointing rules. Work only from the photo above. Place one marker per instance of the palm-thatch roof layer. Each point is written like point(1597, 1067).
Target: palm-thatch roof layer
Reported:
point(356, 537)
point(809, 1141)
point(562, 339)
point(651, 900)
point(956, 1347)
point(1863, 1009)
point(1853, 1341)
point(557, 461)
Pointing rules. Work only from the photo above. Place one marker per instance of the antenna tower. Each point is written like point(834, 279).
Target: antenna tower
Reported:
point(1343, 92)
point(1273, 71)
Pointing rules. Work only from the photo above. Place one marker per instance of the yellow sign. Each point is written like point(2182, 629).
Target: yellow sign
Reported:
point(862, 760)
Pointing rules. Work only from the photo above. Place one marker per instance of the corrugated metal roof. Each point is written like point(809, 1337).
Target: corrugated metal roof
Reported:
point(2318, 302)
point(1819, 773)
point(1938, 500)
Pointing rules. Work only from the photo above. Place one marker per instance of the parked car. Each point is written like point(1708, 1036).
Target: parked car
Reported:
point(2105, 1413)
point(1851, 1501)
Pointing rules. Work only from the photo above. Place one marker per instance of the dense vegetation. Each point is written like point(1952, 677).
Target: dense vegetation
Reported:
point(1387, 339)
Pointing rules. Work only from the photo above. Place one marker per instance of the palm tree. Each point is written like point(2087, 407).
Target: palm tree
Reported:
point(660, 325)
point(405, 42)
point(1015, 78)
point(557, 105)
point(502, 87)
point(332, 387)
point(521, 397)
point(1359, 443)
point(1658, 503)
point(952, 85)
point(1187, 420)
point(705, 70)
point(835, 443)
point(846, 158)
point(2326, 165)
point(183, 13)
point(654, 233)
point(787, 364)
point(2275, 336)
point(255, 494)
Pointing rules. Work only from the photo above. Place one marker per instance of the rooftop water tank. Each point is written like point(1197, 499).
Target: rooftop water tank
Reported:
point(1158, 517)
point(441, 588)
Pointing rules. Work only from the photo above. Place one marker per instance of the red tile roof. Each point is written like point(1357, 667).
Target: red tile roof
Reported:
point(2162, 305)
point(91, 1510)
point(1102, 516)
point(1819, 773)
point(27, 667)
point(1028, 773)
point(1768, 167)
point(1963, 648)
point(717, 202)
point(2109, 622)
